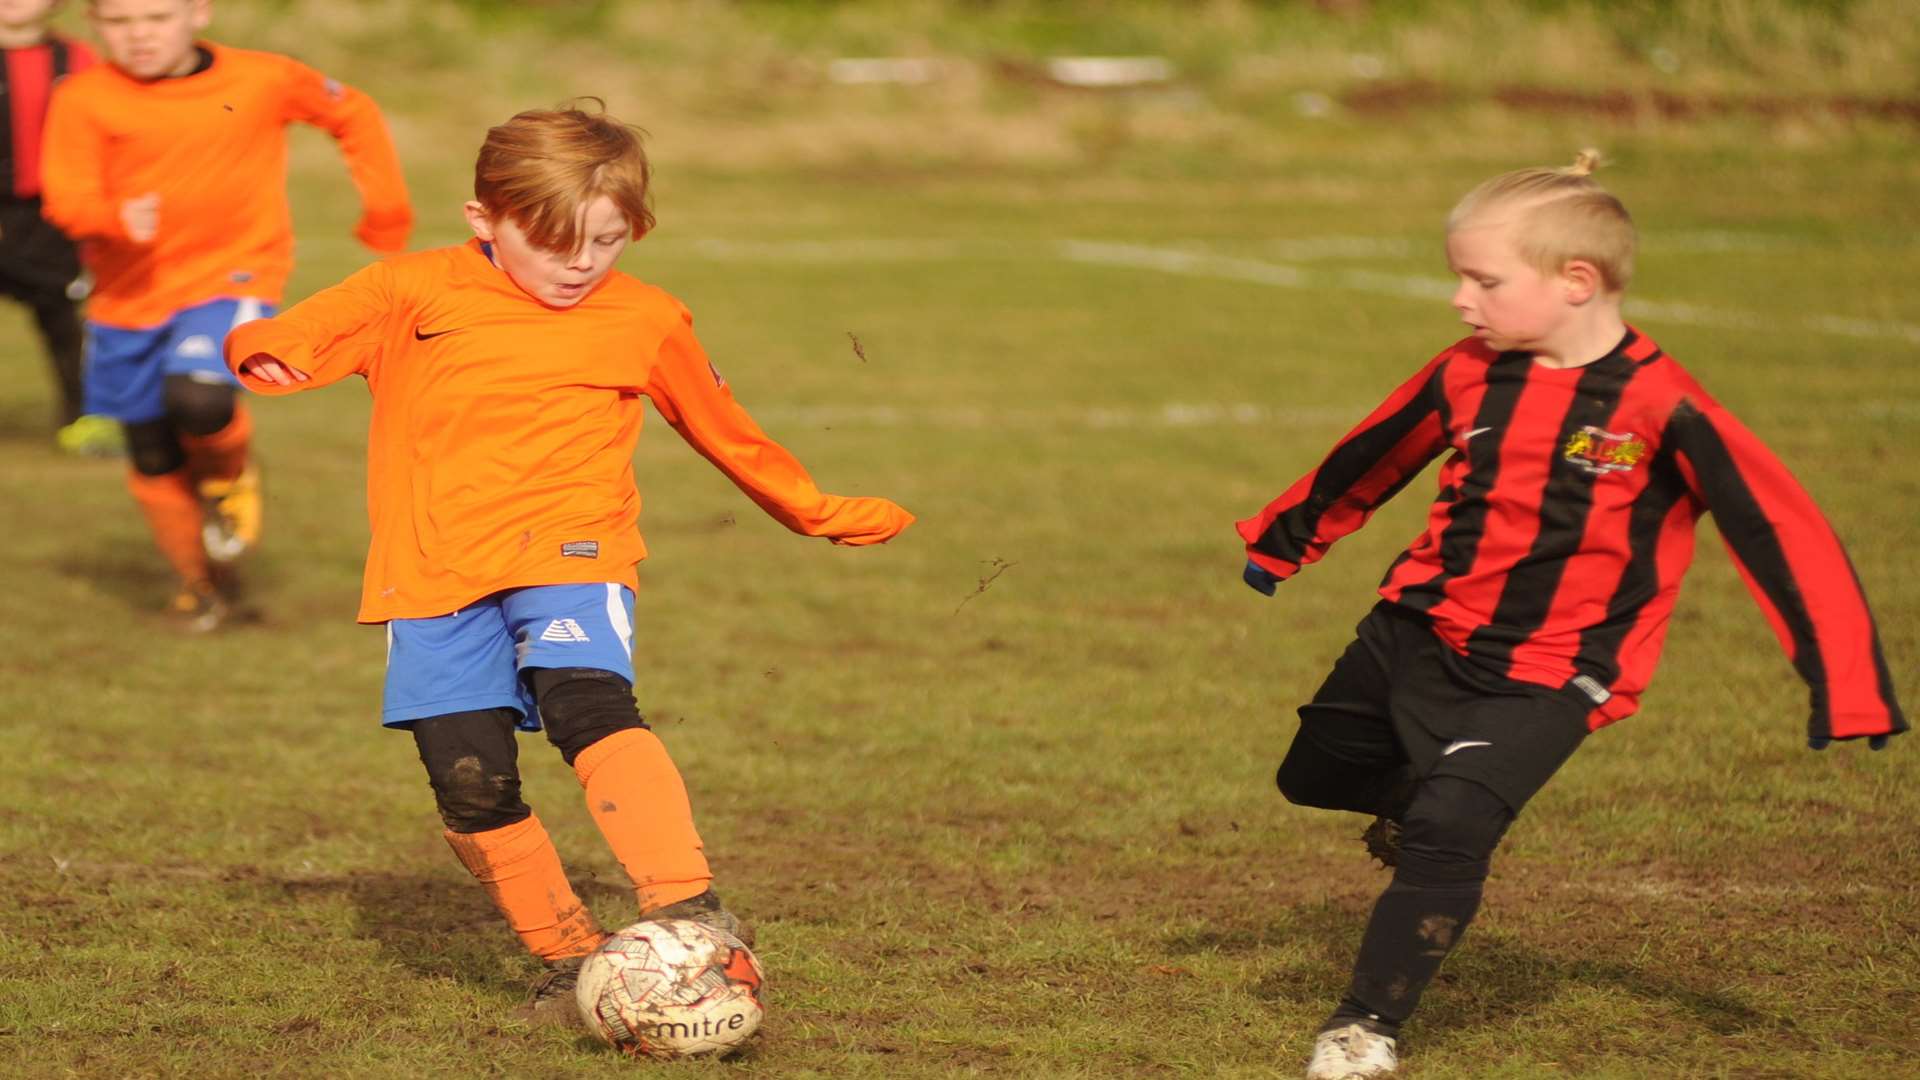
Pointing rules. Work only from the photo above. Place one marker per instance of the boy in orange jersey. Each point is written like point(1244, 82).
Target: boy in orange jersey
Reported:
point(168, 163)
point(507, 377)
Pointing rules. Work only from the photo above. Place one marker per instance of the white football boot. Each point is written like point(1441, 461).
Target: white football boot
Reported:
point(1351, 1053)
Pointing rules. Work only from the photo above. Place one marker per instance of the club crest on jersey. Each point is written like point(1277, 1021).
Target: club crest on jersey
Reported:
point(1602, 452)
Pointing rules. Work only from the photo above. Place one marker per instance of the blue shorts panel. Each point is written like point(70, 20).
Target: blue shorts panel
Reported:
point(127, 368)
point(476, 658)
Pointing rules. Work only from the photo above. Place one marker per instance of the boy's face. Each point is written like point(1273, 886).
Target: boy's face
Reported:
point(556, 279)
point(25, 14)
point(150, 39)
point(1509, 303)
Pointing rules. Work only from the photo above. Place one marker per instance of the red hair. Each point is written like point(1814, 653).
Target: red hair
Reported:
point(541, 169)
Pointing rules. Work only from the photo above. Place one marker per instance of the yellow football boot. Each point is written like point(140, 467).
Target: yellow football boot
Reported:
point(91, 436)
point(233, 515)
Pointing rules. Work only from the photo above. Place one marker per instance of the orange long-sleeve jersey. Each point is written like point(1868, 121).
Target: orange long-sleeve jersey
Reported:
point(213, 146)
point(500, 453)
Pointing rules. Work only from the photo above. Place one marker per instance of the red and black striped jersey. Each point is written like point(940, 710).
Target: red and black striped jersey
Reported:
point(26, 84)
point(1565, 519)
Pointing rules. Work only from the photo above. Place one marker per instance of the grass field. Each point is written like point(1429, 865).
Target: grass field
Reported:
point(998, 796)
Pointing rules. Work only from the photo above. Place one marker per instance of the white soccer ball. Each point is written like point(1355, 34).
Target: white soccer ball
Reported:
point(671, 988)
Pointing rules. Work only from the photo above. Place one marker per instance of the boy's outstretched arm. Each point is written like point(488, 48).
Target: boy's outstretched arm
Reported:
point(354, 121)
point(330, 335)
point(1366, 468)
point(1795, 568)
point(690, 395)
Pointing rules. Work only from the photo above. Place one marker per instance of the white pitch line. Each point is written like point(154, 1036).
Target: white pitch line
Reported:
point(1287, 275)
point(829, 251)
point(1168, 415)
point(1284, 275)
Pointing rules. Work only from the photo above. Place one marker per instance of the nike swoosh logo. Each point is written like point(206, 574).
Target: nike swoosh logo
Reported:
point(422, 335)
point(1461, 745)
point(1475, 431)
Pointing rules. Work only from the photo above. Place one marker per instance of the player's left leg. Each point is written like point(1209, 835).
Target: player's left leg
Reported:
point(575, 649)
point(1450, 830)
point(1484, 747)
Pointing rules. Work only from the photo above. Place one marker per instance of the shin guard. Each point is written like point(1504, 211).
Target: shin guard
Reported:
point(636, 796)
point(172, 509)
point(521, 872)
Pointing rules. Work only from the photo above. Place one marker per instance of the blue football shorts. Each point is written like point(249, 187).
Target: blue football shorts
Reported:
point(127, 368)
point(476, 657)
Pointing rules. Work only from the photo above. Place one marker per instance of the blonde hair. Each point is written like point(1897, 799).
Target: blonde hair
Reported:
point(541, 169)
point(1562, 214)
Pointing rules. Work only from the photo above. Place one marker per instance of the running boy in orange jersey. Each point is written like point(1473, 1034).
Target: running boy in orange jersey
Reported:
point(507, 377)
point(169, 164)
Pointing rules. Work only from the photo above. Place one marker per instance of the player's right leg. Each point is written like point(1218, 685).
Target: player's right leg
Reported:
point(451, 681)
point(124, 380)
point(1345, 755)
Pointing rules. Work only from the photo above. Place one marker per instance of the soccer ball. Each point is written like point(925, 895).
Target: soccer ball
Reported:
point(671, 988)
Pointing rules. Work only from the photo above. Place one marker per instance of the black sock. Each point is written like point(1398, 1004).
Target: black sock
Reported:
point(1412, 930)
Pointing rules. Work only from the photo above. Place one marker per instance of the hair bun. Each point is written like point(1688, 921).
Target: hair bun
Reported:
point(1585, 162)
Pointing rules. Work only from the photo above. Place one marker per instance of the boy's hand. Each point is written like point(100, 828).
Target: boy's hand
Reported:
point(264, 367)
point(385, 231)
point(1874, 742)
point(141, 218)
point(1258, 578)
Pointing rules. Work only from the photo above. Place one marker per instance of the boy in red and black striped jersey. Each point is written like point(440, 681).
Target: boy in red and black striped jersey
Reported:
point(38, 264)
point(1531, 609)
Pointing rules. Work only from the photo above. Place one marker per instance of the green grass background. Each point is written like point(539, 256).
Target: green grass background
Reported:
point(1025, 825)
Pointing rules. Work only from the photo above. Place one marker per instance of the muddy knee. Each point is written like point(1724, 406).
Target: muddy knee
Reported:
point(472, 763)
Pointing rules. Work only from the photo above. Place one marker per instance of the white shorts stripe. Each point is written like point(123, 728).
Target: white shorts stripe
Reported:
point(245, 310)
point(617, 615)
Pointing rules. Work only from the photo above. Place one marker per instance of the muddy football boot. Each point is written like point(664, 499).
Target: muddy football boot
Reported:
point(1352, 1052)
point(198, 606)
point(550, 1000)
point(1383, 841)
point(705, 908)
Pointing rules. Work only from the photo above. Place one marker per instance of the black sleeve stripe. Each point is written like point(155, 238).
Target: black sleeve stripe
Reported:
point(1742, 521)
point(1289, 533)
point(1467, 518)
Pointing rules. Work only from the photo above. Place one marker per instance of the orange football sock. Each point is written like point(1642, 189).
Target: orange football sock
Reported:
point(521, 872)
point(637, 798)
point(173, 513)
point(223, 454)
